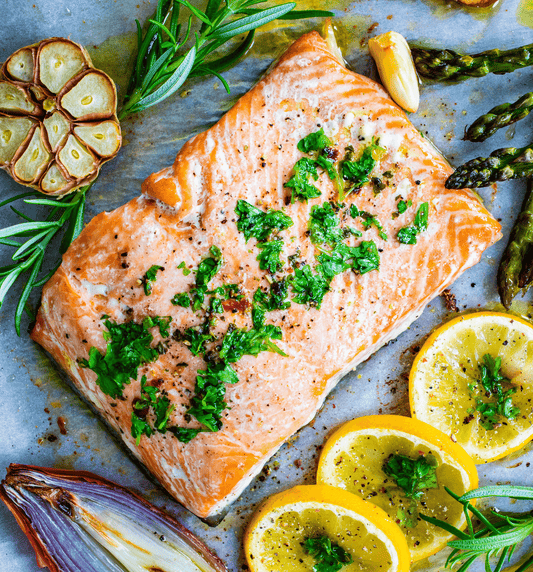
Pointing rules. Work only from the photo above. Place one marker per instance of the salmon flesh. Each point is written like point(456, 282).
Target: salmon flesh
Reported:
point(190, 207)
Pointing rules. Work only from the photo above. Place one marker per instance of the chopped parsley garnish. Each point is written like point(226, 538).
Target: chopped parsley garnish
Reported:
point(151, 397)
point(309, 288)
point(500, 402)
point(208, 402)
point(149, 278)
point(239, 342)
point(207, 270)
point(269, 256)
point(314, 142)
point(186, 271)
point(128, 348)
point(324, 225)
point(404, 205)
point(413, 476)
point(329, 556)
point(327, 165)
point(253, 222)
point(276, 299)
point(184, 434)
point(368, 221)
point(182, 300)
point(196, 340)
point(302, 189)
point(356, 172)
point(362, 259)
point(407, 234)
point(162, 322)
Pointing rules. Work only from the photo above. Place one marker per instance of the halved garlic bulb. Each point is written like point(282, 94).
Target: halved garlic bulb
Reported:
point(58, 121)
point(79, 522)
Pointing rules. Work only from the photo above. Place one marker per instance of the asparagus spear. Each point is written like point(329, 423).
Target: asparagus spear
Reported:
point(449, 65)
point(498, 117)
point(501, 165)
point(516, 266)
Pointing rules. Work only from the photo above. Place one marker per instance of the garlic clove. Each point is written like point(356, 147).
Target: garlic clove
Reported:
point(396, 68)
point(76, 159)
point(54, 181)
point(93, 97)
point(59, 61)
point(13, 133)
point(32, 163)
point(331, 41)
point(15, 99)
point(20, 65)
point(103, 138)
point(57, 129)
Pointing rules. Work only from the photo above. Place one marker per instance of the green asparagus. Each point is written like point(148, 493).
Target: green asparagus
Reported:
point(449, 65)
point(516, 265)
point(498, 117)
point(501, 165)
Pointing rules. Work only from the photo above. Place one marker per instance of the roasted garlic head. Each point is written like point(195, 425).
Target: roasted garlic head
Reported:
point(58, 121)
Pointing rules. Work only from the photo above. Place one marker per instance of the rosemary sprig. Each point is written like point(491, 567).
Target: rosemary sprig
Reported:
point(162, 66)
point(497, 536)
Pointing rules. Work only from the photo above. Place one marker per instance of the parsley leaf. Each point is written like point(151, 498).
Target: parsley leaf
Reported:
point(149, 278)
point(163, 323)
point(139, 427)
point(253, 222)
point(365, 257)
point(407, 234)
point(324, 225)
point(314, 142)
point(369, 220)
point(128, 348)
point(184, 434)
point(361, 259)
point(302, 189)
point(309, 288)
point(186, 271)
point(207, 270)
point(357, 172)
point(208, 403)
point(269, 256)
point(196, 340)
point(404, 205)
point(330, 556)
point(413, 476)
point(182, 300)
point(276, 299)
point(500, 401)
point(239, 342)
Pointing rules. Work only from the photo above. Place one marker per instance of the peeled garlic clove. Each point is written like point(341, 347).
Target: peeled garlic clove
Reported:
point(32, 163)
point(93, 97)
point(20, 65)
point(103, 138)
point(15, 99)
point(57, 129)
point(396, 68)
point(59, 61)
point(331, 41)
point(79, 522)
point(13, 133)
point(77, 160)
point(54, 181)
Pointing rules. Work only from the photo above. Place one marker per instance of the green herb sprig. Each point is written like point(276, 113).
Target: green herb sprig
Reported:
point(498, 535)
point(413, 476)
point(168, 54)
point(330, 556)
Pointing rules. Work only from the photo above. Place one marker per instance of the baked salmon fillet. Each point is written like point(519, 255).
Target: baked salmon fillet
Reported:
point(251, 306)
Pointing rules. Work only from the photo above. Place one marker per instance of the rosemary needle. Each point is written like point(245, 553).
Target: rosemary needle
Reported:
point(498, 534)
point(168, 53)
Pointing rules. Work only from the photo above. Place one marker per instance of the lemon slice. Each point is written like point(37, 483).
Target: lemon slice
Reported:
point(274, 539)
point(444, 389)
point(353, 459)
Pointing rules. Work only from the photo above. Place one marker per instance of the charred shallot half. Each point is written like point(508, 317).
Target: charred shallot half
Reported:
point(79, 522)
